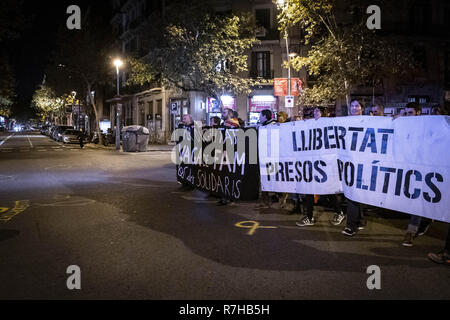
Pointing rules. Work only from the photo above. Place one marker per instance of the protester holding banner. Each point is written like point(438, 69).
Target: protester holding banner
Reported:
point(265, 119)
point(378, 110)
point(355, 218)
point(417, 225)
point(283, 117)
point(236, 116)
point(308, 219)
point(215, 122)
point(229, 121)
point(186, 122)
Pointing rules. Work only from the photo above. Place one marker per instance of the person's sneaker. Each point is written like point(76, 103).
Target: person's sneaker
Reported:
point(337, 219)
point(442, 257)
point(423, 228)
point(348, 232)
point(305, 222)
point(362, 224)
point(408, 240)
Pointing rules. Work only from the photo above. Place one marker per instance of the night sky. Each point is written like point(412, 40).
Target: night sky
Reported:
point(30, 53)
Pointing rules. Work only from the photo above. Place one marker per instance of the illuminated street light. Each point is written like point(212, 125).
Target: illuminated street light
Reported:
point(282, 5)
point(118, 63)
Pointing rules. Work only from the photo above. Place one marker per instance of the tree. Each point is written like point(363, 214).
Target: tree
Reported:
point(82, 61)
point(46, 102)
point(196, 50)
point(341, 55)
point(11, 24)
point(7, 84)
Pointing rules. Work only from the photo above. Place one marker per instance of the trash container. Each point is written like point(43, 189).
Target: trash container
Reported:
point(135, 139)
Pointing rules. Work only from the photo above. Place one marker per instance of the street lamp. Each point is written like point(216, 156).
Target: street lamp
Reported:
point(118, 63)
point(74, 94)
point(283, 4)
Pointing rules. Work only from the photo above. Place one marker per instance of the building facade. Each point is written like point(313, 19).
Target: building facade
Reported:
point(421, 24)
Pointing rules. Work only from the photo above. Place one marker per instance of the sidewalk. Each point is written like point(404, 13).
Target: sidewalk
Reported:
point(150, 147)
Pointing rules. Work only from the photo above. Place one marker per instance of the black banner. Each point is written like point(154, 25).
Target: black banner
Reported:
point(233, 177)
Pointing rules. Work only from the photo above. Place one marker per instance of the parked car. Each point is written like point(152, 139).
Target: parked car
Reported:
point(72, 136)
point(44, 129)
point(58, 132)
point(50, 131)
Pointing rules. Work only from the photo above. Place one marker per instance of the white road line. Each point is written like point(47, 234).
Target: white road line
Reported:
point(28, 137)
point(1, 143)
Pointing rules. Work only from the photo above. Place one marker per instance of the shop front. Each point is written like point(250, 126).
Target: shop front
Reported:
point(258, 103)
point(214, 109)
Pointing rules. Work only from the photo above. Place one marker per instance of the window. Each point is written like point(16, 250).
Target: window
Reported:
point(419, 99)
point(263, 18)
point(158, 115)
point(261, 65)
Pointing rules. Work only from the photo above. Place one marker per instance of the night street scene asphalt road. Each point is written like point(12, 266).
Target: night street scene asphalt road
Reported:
point(252, 151)
point(135, 234)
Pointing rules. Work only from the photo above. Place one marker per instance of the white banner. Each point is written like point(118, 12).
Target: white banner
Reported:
point(401, 164)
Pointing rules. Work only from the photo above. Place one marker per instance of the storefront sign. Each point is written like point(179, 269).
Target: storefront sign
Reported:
point(260, 103)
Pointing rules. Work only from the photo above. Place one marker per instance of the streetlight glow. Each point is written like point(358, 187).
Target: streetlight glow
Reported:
point(118, 63)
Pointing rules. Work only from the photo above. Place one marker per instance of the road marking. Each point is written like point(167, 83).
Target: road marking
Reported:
point(253, 226)
point(28, 137)
point(2, 210)
point(1, 143)
point(19, 207)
